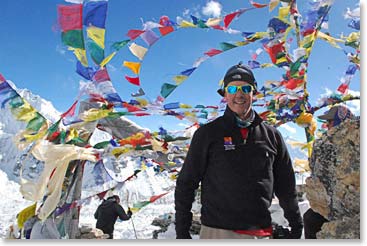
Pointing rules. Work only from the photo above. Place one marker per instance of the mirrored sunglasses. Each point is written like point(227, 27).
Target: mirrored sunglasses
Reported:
point(232, 89)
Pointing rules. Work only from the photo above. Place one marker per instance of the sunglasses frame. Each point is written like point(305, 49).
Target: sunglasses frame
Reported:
point(239, 87)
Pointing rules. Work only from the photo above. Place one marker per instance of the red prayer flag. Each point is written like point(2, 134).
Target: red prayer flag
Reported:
point(133, 34)
point(343, 88)
point(102, 194)
point(218, 27)
point(274, 50)
point(141, 114)
point(130, 108)
point(134, 81)
point(154, 198)
point(165, 30)
point(70, 111)
point(213, 52)
point(101, 75)
point(2, 79)
point(258, 5)
point(229, 18)
point(70, 17)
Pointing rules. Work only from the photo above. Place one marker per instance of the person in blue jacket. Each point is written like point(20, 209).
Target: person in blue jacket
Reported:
point(240, 162)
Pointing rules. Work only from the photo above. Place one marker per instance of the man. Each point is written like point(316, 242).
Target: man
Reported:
point(240, 161)
point(107, 213)
point(313, 221)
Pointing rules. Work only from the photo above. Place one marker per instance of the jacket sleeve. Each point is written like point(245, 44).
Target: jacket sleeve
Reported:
point(121, 212)
point(285, 185)
point(96, 213)
point(188, 181)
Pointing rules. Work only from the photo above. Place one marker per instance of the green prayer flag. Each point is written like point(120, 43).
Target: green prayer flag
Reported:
point(96, 52)
point(36, 123)
point(73, 38)
point(226, 46)
point(118, 45)
point(167, 89)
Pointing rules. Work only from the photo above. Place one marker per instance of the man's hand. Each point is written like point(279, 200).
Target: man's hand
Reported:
point(129, 213)
point(296, 232)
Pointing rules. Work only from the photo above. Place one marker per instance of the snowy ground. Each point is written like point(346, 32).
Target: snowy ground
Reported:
point(12, 202)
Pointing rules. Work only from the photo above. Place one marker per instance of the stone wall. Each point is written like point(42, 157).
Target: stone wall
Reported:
point(333, 189)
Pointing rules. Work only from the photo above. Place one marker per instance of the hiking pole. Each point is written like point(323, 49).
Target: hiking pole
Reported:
point(131, 218)
point(132, 222)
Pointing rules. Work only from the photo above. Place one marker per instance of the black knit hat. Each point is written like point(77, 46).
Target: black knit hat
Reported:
point(238, 72)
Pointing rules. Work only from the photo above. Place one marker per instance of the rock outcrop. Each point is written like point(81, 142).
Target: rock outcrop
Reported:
point(333, 189)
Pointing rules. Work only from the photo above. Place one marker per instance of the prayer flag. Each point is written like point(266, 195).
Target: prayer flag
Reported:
point(118, 45)
point(165, 30)
point(70, 17)
point(81, 55)
point(95, 13)
point(258, 5)
point(138, 51)
point(133, 34)
point(188, 72)
point(97, 35)
point(226, 46)
point(149, 37)
point(133, 66)
point(167, 89)
point(96, 52)
point(70, 111)
point(134, 81)
point(213, 52)
point(107, 59)
point(101, 75)
point(179, 78)
point(73, 38)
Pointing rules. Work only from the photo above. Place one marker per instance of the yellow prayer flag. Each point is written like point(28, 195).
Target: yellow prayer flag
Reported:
point(31, 138)
point(179, 79)
point(119, 151)
point(182, 105)
point(81, 55)
point(25, 214)
point(330, 39)
point(25, 112)
point(213, 21)
point(138, 51)
point(143, 102)
point(283, 12)
point(107, 59)
point(95, 114)
point(241, 43)
point(353, 37)
point(186, 24)
point(133, 66)
point(97, 35)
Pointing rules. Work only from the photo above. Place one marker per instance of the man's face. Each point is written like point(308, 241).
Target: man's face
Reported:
point(239, 102)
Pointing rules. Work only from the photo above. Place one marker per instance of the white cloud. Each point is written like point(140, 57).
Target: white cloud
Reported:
point(288, 128)
point(212, 9)
point(60, 49)
point(186, 13)
point(194, 11)
point(354, 105)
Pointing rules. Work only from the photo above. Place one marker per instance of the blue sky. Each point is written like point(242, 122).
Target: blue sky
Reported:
point(33, 56)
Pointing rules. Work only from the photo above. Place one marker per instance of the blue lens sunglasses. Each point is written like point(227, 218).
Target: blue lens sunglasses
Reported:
point(232, 89)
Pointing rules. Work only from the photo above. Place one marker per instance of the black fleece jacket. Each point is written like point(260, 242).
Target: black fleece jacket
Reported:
point(107, 213)
point(237, 179)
